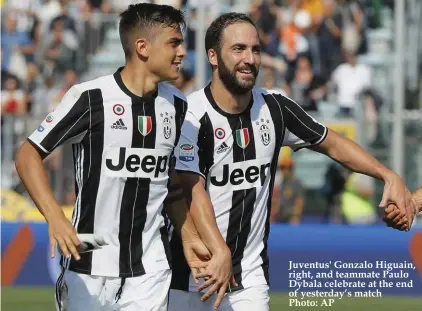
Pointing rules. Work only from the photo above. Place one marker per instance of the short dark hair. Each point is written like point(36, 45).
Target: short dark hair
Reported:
point(144, 17)
point(214, 35)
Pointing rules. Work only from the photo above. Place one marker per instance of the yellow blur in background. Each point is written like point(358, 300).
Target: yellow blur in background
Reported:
point(15, 207)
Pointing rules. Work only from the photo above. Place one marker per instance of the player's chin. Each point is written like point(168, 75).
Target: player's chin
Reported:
point(247, 84)
point(248, 80)
point(172, 75)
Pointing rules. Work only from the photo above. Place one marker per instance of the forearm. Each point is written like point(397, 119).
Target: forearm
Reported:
point(417, 195)
point(203, 216)
point(31, 170)
point(178, 211)
point(352, 156)
point(181, 219)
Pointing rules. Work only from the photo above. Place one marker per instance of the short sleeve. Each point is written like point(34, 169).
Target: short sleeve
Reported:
point(67, 124)
point(301, 129)
point(187, 157)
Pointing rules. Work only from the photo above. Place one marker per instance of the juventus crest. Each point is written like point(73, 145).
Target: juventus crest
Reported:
point(166, 124)
point(264, 131)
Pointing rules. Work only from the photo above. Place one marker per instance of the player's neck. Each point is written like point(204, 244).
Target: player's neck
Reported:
point(226, 100)
point(137, 80)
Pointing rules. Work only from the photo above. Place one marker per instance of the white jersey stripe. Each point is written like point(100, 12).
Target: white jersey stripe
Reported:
point(107, 126)
point(241, 177)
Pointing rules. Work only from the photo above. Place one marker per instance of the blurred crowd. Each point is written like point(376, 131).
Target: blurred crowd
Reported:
point(310, 48)
point(310, 53)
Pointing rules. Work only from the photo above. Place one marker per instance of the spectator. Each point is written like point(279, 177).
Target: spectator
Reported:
point(350, 80)
point(265, 15)
point(315, 9)
point(293, 41)
point(13, 99)
point(17, 49)
point(353, 25)
point(95, 13)
point(48, 10)
point(59, 49)
point(306, 88)
point(289, 197)
point(330, 35)
point(5, 75)
point(63, 16)
point(24, 12)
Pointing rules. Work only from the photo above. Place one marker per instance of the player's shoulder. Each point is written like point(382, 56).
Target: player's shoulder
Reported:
point(81, 91)
point(97, 83)
point(278, 95)
point(166, 89)
point(197, 102)
point(263, 91)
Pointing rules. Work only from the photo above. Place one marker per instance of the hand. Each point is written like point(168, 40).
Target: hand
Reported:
point(197, 256)
point(395, 192)
point(61, 231)
point(219, 272)
point(392, 218)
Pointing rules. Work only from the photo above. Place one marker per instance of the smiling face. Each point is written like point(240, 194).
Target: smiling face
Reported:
point(152, 35)
point(165, 54)
point(239, 58)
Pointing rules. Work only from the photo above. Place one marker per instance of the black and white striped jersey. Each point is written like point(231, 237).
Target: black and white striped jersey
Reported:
point(237, 154)
point(122, 147)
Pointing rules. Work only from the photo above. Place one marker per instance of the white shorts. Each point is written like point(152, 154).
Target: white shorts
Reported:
point(254, 298)
point(82, 292)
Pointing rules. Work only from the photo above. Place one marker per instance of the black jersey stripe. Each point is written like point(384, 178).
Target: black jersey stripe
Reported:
point(242, 200)
point(278, 120)
point(180, 107)
point(299, 122)
point(91, 169)
point(205, 144)
point(75, 122)
point(133, 211)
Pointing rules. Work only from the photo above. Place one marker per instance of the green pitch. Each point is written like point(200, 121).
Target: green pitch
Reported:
point(36, 299)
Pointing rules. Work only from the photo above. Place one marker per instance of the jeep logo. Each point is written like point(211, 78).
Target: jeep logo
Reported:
point(136, 162)
point(244, 176)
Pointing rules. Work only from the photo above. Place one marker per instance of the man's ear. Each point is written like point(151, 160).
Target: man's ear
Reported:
point(212, 57)
point(142, 47)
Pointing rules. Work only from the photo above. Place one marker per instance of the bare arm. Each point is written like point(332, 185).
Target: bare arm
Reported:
point(31, 170)
point(202, 213)
point(219, 272)
point(178, 212)
point(352, 156)
point(196, 253)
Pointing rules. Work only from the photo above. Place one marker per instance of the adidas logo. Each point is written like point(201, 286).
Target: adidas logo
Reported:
point(119, 125)
point(223, 147)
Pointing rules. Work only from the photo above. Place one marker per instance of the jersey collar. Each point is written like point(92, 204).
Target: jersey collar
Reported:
point(217, 108)
point(118, 77)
